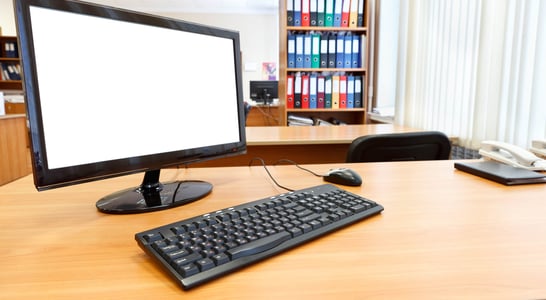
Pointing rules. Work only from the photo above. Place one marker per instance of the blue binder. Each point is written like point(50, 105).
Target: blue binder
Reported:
point(347, 58)
point(291, 51)
point(313, 91)
point(297, 12)
point(355, 54)
point(350, 91)
point(307, 49)
point(338, 6)
point(299, 50)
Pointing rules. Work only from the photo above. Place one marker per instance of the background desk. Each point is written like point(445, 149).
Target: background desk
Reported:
point(443, 234)
point(14, 154)
point(302, 144)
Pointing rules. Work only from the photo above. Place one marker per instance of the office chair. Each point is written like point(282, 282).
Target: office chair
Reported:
point(426, 145)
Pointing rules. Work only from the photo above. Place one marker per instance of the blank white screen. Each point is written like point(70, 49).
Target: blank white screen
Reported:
point(112, 89)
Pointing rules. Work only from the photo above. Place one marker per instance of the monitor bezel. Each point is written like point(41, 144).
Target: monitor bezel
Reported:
point(46, 178)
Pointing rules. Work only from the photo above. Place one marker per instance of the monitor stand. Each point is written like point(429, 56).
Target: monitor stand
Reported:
point(152, 195)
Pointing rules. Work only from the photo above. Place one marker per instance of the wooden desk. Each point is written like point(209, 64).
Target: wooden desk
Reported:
point(443, 234)
point(264, 115)
point(302, 144)
point(14, 154)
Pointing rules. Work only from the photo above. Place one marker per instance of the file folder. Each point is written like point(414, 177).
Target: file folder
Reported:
point(320, 91)
point(321, 9)
point(313, 12)
point(335, 91)
point(305, 13)
point(360, 20)
point(290, 12)
point(329, 13)
point(347, 57)
point(342, 91)
point(345, 12)
point(291, 51)
point(299, 50)
point(324, 51)
point(358, 91)
point(355, 54)
point(332, 50)
point(340, 52)
point(315, 51)
point(304, 91)
point(307, 48)
point(353, 14)
point(338, 6)
point(297, 91)
point(328, 92)
point(297, 12)
point(290, 91)
point(350, 91)
point(313, 91)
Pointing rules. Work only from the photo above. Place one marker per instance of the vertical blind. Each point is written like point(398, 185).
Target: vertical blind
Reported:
point(475, 69)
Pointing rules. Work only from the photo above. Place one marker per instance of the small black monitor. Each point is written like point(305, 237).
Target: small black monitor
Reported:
point(111, 92)
point(264, 91)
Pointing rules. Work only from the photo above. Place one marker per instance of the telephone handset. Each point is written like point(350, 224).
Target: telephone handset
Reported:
point(539, 147)
point(512, 155)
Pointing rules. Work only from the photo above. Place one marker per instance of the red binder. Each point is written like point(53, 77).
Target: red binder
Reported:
point(342, 91)
point(305, 15)
point(304, 91)
point(290, 91)
point(345, 12)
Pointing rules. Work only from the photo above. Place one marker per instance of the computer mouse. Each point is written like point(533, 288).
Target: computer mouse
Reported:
point(343, 176)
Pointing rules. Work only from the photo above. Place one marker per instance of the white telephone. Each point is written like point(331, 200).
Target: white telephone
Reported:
point(539, 147)
point(512, 155)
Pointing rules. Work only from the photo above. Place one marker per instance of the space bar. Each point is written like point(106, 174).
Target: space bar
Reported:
point(258, 246)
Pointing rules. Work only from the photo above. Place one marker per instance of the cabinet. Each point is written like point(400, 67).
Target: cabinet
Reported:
point(341, 73)
point(10, 67)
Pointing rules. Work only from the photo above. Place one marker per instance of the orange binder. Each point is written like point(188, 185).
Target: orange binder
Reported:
point(335, 91)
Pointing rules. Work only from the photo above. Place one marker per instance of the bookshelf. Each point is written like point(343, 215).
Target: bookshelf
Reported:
point(290, 67)
point(10, 64)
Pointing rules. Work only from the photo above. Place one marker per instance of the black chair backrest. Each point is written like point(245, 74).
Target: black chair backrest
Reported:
point(424, 145)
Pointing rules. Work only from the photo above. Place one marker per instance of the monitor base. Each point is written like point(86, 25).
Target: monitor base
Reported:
point(153, 196)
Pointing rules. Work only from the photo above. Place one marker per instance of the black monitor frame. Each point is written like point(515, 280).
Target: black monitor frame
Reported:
point(151, 195)
point(264, 91)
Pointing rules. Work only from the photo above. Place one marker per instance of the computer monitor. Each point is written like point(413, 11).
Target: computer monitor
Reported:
point(264, 91)
point(111, 92)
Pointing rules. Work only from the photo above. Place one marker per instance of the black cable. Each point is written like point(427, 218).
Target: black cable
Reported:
point(267, 170)
point(298, 166)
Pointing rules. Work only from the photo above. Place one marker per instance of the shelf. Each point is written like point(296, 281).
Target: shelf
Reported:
point(316, 28)
point(8, 84)
point(348, 110)
point(290, 75)
point(325, 70)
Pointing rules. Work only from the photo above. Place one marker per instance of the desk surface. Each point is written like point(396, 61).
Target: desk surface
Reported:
point(443, 234)
point(305, 135)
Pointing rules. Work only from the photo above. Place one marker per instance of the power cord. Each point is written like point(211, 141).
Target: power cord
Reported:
point(281, 160)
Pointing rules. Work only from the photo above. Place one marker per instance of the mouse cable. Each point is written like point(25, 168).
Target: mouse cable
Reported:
point(298, 166)
point(267, 170)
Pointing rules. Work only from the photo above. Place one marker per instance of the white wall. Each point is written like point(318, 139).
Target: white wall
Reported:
point(258, 33)
point(7, 19)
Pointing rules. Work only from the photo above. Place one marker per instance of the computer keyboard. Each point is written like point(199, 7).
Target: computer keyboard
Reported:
point(199, 249)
